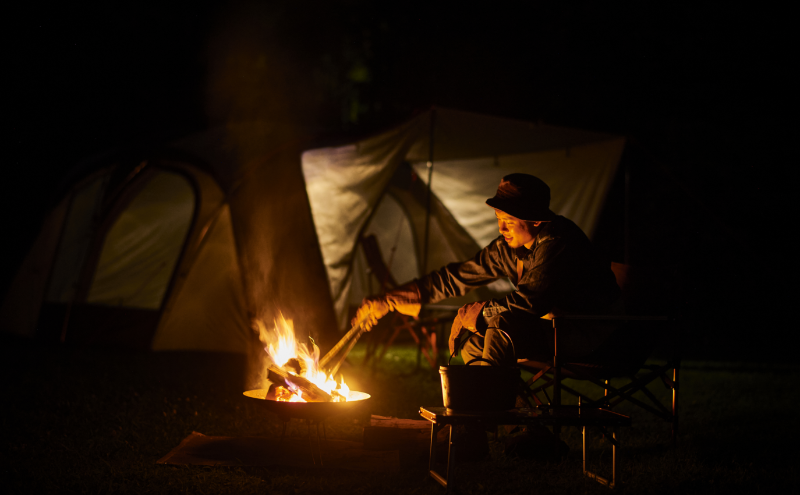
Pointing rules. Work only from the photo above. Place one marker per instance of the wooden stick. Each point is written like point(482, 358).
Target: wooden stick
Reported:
point(310, 392)
point(354, 333)
point(341, 359)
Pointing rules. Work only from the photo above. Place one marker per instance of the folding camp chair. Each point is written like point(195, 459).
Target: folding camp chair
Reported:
point(621, 356)
point(422, 331)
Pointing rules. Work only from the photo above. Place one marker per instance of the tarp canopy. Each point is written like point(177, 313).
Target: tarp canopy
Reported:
point(361, 188)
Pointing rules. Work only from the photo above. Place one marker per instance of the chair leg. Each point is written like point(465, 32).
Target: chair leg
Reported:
point(613, 482)
point(427, 346)
point(525, 395)
point(583, 435)
point(385, 347)
point(434, 349)
point(614, 458)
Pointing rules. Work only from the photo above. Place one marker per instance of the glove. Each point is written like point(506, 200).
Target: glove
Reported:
point(372, 309)
point(405, 300)
point(465, 320)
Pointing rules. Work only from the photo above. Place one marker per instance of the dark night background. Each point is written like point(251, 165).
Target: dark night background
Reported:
point(693, 86)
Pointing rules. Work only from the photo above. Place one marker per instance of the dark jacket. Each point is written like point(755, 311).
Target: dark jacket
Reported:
point(562, 271)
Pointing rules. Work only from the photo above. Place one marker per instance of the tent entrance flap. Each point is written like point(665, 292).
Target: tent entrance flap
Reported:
point(142, 247)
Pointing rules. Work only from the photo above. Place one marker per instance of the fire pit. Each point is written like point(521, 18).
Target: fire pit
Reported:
point(313, 411)
point(298, 384)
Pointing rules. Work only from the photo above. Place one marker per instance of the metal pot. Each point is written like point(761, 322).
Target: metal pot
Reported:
point(479, 388)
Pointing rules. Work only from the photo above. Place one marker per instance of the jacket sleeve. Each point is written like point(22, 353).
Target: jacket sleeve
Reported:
point(456, 279)
point(538, 291)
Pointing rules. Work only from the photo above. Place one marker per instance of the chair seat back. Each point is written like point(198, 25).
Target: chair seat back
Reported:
point(372, 252)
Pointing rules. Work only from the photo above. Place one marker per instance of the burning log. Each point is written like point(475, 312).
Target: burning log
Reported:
point(300, 378)
point(278, 393)
point(292, 382)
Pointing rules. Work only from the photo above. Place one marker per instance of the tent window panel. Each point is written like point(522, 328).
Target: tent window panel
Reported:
point(75, 241)
point(393, 230)
point(391, 227)
point(141, 249)
point(463, 186)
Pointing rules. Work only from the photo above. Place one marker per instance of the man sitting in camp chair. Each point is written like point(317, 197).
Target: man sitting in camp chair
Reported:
point(554, 266)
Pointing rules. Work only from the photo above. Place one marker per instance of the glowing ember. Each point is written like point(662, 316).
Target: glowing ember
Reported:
point(298, 359)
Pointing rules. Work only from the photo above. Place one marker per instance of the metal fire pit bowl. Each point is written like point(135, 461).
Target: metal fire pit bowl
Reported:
point(310, 412)
point(314, 411)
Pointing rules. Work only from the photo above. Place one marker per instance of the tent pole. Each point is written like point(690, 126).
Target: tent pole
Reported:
point(428, 198)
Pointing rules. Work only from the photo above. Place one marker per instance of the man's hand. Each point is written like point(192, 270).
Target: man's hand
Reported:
point(465, 320)
point(372, 309)
point(455, 333)
point(405, 300)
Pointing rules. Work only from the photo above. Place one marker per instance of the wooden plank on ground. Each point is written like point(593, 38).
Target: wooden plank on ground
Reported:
point(388, 433)
point(198, 449)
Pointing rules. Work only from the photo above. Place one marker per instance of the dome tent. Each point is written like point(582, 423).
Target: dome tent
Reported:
point(178, 252)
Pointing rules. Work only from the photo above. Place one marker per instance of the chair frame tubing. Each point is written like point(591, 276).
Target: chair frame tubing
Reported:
point(612, 396)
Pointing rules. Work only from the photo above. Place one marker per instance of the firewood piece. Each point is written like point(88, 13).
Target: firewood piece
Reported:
point(404, 424)
point(310, 392)
point(295, 366)
point(388, 433)
point(279, 393)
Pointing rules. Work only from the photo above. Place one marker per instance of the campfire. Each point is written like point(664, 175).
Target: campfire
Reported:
point(293, 370)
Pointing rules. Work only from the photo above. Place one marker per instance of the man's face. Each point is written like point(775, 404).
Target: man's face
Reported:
point(515, 231)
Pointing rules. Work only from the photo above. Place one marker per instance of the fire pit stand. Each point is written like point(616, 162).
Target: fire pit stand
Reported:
point(310, 435)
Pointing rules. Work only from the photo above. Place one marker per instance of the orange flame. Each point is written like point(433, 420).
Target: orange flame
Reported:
point(281, 345)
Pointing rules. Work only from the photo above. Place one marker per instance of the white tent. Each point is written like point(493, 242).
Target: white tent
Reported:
point(365, 187)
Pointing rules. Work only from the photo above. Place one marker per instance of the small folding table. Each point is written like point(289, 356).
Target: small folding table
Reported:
point(441, 417)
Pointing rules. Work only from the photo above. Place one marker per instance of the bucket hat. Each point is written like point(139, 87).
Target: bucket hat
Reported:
point(523, 196)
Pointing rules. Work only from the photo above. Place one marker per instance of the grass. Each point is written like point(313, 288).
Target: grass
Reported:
point(95, 421)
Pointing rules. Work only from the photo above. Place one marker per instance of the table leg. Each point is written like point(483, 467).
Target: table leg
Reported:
point(442, 480)
point(614, 458)
point(435, 429)
point(451, 459)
